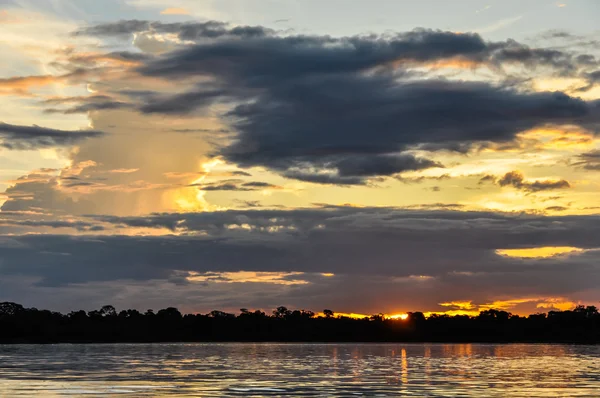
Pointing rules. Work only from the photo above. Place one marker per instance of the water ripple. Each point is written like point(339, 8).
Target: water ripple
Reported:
point(310, 370)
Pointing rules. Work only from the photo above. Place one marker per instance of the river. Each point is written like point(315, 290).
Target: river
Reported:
point(328, 370)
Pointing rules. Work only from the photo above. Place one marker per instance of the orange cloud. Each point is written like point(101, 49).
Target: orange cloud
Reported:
point(540, 252)
point(451, 63)
point(452, 313)
point(463, 305)
point(557, 303)
point(565, 138)
point(123, 171)
point(345, 314)
point(175, 11)
point(21, 85)
point(466, 307)
point(94, 58)
point(8, 18)
point(278, 278)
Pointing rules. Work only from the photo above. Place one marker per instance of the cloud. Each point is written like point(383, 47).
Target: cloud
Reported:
point(175, 11)
point(592, 79)
point(126, 171)
point(78, 225)
point(183, 30)
point(92, 106)
point(420, 179)
point(372, 252)
point(351, 170)
point(501, 24)
point(345, 110)
point(22, 85)
point(516, 180)
point(236, 185)
point(36, 137)
point(589, 160)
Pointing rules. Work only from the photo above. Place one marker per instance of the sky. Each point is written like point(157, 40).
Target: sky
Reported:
point(366, 156)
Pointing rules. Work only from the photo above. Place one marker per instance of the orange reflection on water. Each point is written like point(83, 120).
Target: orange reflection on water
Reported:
point(404, 377)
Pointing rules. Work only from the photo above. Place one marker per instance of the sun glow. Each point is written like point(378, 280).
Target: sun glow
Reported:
point(402, 317)
point(185, 201)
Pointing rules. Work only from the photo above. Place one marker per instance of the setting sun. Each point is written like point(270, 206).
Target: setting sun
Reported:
point(402, 317)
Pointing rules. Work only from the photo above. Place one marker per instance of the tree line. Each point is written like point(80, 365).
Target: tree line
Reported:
point(107, 325)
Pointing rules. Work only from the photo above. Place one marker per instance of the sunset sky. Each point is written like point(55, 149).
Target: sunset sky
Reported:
point(363, 156)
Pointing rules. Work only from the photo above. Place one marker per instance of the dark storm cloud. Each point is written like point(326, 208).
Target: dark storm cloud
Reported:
point(514, 52)
point(367, 166)
point(332, 121)
point(355, 169)
point(184, 103)
point(270, 58)
point(35, 137)
point(183, 30)
point(344, 110)
point(517, 180)
point(385, 242)
point(495, 229)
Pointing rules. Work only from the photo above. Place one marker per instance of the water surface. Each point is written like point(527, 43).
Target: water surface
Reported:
point(207, 370)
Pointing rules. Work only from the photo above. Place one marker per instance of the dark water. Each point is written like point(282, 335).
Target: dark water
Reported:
point(207, 370)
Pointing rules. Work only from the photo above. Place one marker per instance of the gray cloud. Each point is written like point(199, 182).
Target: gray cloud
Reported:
point(589, 160)
point(517, 180)
point(259, 184)
point(343, 110)
point(420, 179)
point(592, 78)
point(183, 30)
point(305, 125)
point(44, 194)
point(34, 137)
point(78, 225)
point(377, 253)
point(91, 106)
point(236, 185)
point(346, 110)
point(378, 242)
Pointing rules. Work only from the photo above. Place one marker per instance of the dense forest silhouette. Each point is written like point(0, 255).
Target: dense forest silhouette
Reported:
point(30, 325)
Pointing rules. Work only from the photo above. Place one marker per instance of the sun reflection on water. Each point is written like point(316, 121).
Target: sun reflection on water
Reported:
point(211, 370)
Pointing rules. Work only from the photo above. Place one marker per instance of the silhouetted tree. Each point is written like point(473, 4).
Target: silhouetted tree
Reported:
point(11, 309)
point(281, 312)
point(108, 310)
point(30, 325)
point(169, 313)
